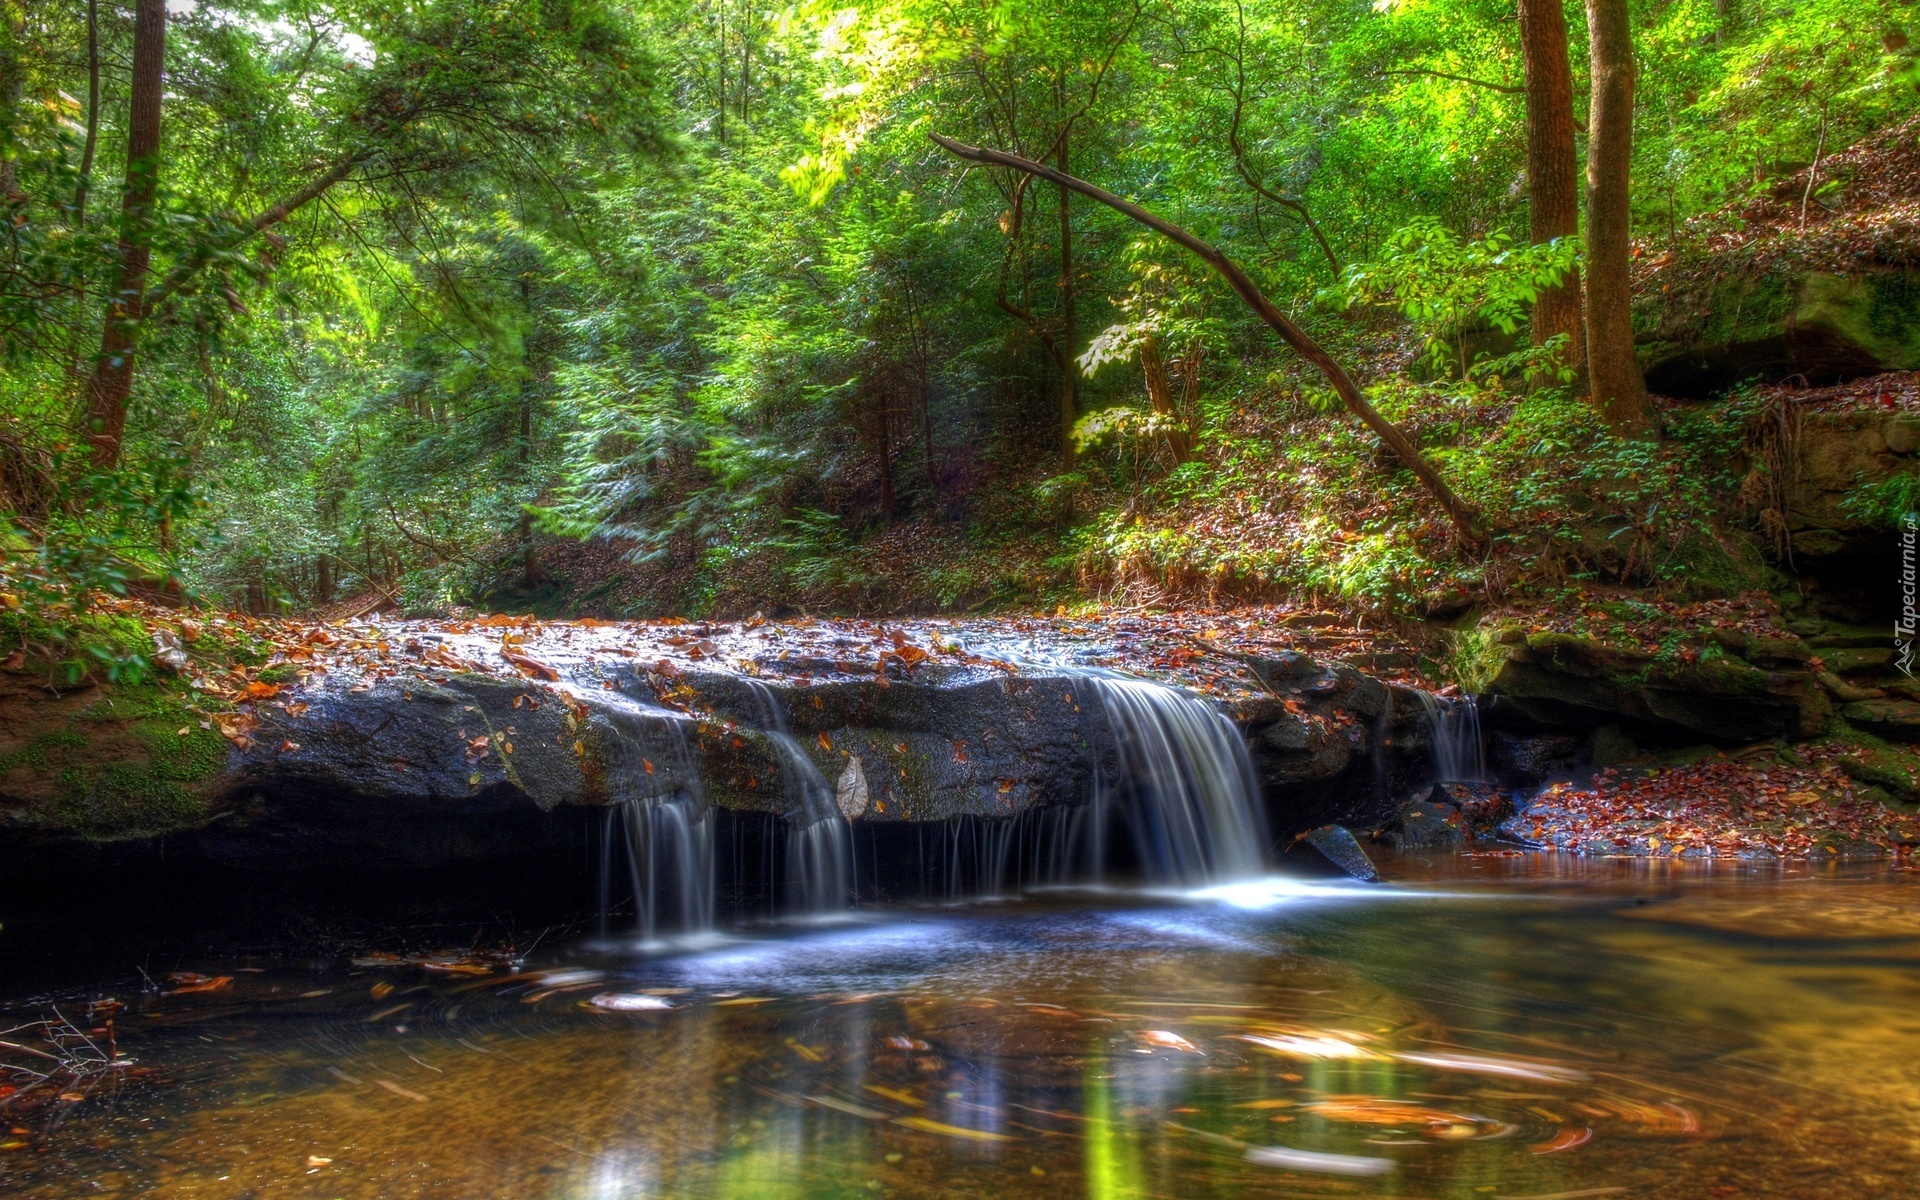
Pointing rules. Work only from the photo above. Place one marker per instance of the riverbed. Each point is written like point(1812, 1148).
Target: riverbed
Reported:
point(1496, 1026)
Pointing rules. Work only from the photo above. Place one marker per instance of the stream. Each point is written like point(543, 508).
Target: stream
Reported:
point(1480, 1026)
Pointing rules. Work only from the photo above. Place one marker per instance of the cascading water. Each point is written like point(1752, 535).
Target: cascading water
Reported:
point(660, 821)
point(1192, 800)
point(1459, 756)
point(819, 861)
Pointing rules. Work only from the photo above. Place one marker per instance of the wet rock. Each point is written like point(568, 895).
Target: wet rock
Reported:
point(1482, 806)
point(1343, 850)
point(1535, 757)
point(1425, 825)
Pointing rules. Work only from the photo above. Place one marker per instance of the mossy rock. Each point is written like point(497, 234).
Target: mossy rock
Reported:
point(121, 762)
point(1777, 325)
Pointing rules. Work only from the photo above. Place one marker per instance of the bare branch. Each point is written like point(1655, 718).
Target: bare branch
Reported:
point(1466, 520)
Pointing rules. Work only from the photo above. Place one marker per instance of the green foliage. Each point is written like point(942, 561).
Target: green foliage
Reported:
point(1447, 286)
point(684, 280)
point(1884, 505)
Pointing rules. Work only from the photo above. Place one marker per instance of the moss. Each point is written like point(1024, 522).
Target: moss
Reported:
point(38, 755)
point(1872, 761)
point(280, 674)
point(124, 768)
point(1478, 654)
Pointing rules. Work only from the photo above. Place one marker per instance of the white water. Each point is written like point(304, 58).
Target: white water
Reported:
point(1459, 755)
point(664, 828)
point(1185, 797)
point(819, 862)
point(1192, 801)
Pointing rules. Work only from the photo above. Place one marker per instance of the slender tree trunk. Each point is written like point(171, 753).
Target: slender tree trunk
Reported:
point(531, 574)
point(1069, 335)
point(77, 327)
point(1619, 389)
point(13, 83)
point(1465, 518)
point(323, 578)
point(720, 61)
point(884, 438)
point(1553, 185)
point(112, 382)
point(1160, 392)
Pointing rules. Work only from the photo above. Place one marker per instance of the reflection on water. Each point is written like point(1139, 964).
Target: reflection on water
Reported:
point(1498, 1029)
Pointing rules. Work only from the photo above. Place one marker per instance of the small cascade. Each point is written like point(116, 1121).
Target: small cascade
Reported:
point(1192, 801)
point(669, 847)
point(819, 860)
point(660, 820)
point(1459, 755)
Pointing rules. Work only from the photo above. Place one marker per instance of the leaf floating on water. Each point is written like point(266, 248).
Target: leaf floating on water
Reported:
point(927, 1125)
point(1168, 1040)
point(743, 1000)
point(1314, 1160)
point(626, 1002)
point(1308, 1047)
point(848, 1106)
point(186, 983)
point(1506, 1068)
point(897, 1095)
point(397, 1090)
point(1566, 1139)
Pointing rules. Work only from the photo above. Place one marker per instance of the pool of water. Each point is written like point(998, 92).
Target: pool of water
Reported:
point(1477, 1028)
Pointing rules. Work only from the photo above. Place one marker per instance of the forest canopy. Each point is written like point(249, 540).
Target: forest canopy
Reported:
point(674, 306)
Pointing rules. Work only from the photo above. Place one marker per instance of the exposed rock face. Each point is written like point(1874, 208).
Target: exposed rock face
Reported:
point(1752, 688)
point(1784, 323)
point(413, 765)
point(1838, 452)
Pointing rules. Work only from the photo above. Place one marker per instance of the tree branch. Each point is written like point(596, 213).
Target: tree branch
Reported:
point(1508, 89)
point(182, 274)
point(1466, 520)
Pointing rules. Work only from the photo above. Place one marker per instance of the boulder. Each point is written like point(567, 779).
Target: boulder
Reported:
point(1896, 720)
point(1425, 825)
point(1780, 324)
point(1340, 848)
point(1567, 681)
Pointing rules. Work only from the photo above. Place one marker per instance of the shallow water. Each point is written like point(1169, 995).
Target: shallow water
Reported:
point(1480, 1028)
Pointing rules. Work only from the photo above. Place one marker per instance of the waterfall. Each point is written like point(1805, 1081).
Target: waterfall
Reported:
point(1454, 726)
point(669, 847)
point(819, 857)
point(1192, 801)
point(660, 819)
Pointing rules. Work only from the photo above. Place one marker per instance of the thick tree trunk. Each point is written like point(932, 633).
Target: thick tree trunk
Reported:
point(1619, 389)
point(1160, 392)
point(1465, 518)
point(1552, 165)
point(112, 381)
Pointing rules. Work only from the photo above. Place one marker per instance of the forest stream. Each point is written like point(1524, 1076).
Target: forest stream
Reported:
point(1479, 1026)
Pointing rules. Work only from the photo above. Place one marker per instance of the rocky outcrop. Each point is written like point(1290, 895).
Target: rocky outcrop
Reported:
point(411, 759)
point(1780, 324)
point(1738, 688)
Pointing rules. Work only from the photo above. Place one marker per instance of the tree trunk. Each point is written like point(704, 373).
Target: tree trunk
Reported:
point(77, 331)
point(112, 381)
point(13, 82)
point(1160, 392)
point(1465, 518)
point(1069, 369)
point(1619, 389)
point(323, 578)
point(883, 436)
point(1553, 186)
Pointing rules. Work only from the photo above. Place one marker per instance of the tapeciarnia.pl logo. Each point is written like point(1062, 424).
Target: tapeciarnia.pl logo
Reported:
point(1903, 628)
